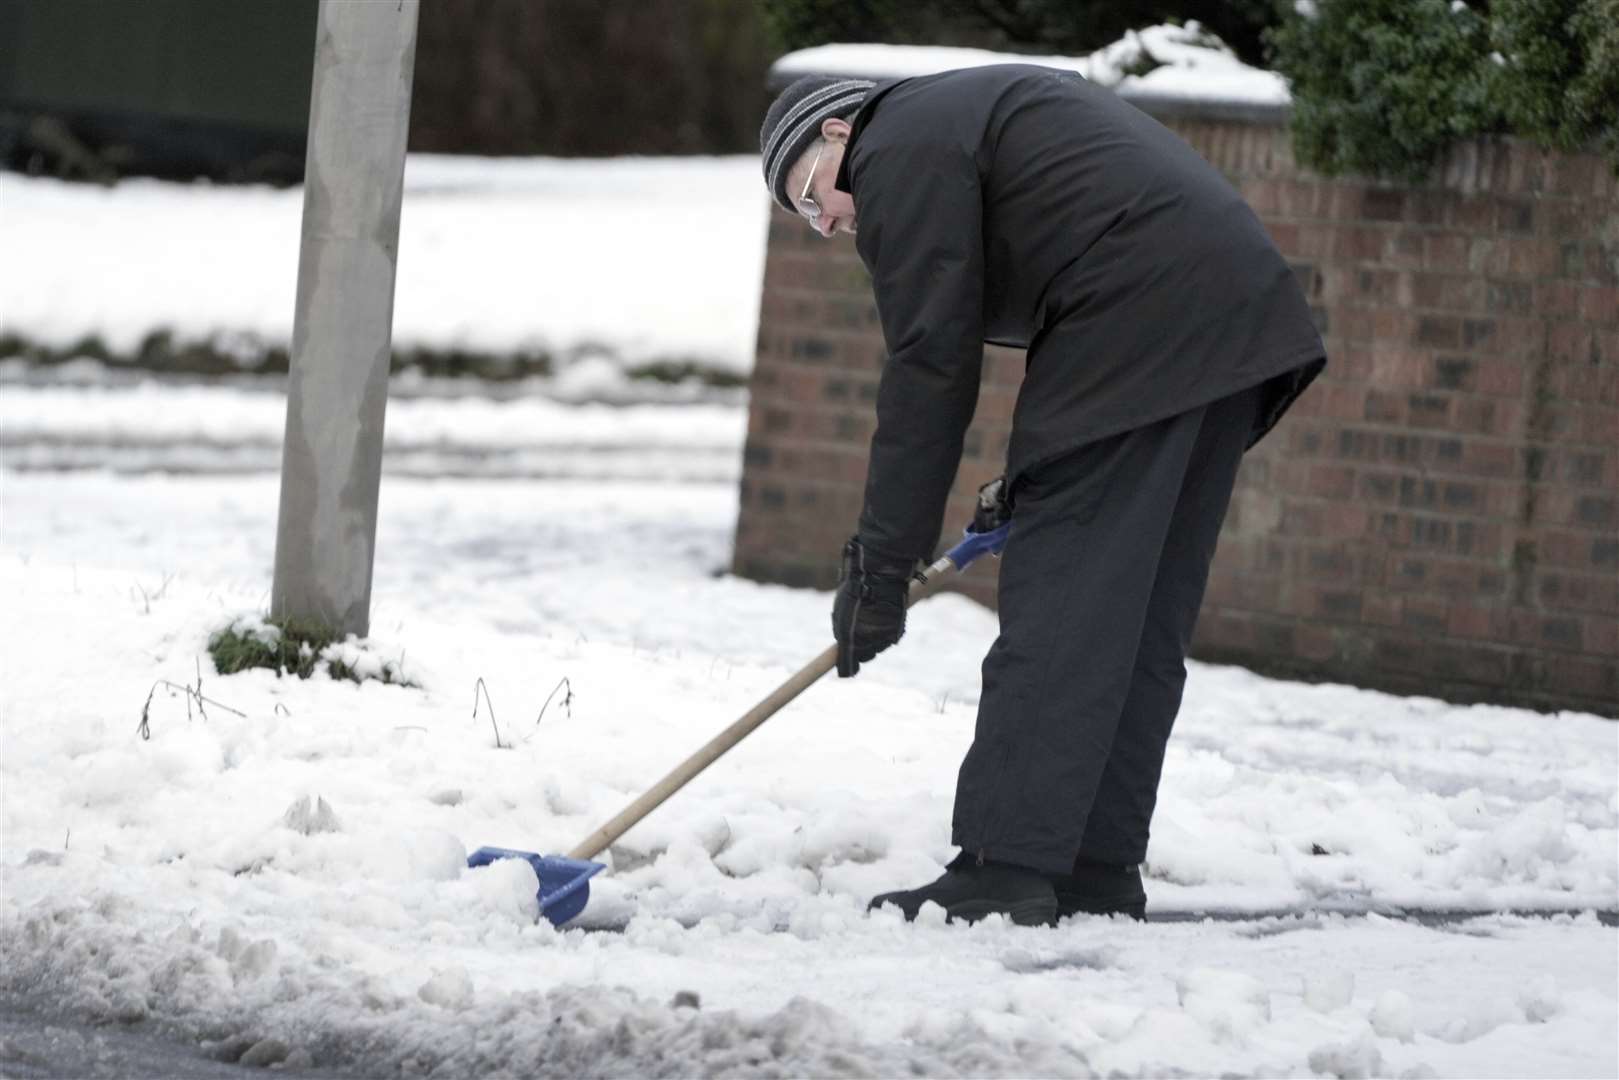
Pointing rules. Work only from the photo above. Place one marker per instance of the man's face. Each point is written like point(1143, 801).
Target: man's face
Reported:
point(837, 207)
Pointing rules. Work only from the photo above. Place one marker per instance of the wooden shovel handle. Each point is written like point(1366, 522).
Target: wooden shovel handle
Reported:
point(682, 774)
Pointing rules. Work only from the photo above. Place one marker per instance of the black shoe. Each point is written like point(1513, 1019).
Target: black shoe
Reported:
point(1098, 888)
point(970, 890)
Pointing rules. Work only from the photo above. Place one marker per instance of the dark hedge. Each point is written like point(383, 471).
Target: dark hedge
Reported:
point(1385, 87)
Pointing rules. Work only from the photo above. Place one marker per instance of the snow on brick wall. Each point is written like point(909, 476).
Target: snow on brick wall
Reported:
point(1436, 515)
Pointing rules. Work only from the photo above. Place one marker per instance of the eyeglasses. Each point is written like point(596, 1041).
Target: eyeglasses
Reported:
point(806, 205)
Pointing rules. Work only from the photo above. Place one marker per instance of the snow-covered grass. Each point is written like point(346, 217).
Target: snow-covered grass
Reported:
point(195, 882)
point(621, 260)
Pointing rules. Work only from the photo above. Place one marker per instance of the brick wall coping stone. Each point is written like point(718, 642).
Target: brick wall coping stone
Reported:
point(1156, 104)
point(1190, 74)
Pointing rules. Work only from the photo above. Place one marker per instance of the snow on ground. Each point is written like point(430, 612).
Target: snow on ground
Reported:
point(638, 258)
point(193, 882)
point(1185, 62)
point(283, 877)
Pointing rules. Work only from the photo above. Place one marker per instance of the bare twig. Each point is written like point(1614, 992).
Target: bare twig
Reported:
point(200, 709)
point(567, 703)
point(475, 689)
point(144, 729)
point(567, 699)
point(147, 598)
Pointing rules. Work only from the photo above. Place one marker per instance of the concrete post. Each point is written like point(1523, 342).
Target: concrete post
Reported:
point(331, 463)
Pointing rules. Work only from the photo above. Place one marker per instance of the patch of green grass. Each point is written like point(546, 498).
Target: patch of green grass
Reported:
point(289, 648)
point(298, 647)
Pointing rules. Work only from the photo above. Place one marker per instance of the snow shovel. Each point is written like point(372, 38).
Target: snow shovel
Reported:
point(565, 879)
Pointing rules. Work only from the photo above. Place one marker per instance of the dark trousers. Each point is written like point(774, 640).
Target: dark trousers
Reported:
point(1101, 581)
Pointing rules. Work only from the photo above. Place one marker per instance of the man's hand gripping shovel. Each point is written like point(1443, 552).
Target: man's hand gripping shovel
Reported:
point(565, 879)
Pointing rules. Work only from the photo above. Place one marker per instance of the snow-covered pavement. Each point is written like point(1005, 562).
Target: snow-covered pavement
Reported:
point(182, 882)
point(145, 426)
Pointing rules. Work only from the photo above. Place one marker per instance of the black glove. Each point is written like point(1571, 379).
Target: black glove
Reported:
point(868, 614)
point(993, 509)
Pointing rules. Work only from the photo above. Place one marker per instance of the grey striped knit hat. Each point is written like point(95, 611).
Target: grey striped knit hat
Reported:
point(794, 122)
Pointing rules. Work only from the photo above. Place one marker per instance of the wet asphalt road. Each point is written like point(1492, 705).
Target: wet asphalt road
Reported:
point(33, 1047)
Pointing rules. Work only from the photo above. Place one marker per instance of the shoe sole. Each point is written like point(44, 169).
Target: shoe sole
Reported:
point(1138, 912)
point(1024, 913)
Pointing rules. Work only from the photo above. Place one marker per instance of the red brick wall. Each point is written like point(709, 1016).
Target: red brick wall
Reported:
point(1439, 514)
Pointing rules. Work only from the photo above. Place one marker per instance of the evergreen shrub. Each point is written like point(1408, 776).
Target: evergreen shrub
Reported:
point(1559, 70)
point(1385, 87)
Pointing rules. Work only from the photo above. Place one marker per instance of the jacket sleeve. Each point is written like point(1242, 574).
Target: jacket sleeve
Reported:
point(920, 235)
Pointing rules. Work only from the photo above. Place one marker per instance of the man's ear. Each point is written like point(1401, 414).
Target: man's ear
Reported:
point(835, 129)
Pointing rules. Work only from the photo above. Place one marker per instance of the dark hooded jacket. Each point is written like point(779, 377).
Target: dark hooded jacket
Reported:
point(1025, 206)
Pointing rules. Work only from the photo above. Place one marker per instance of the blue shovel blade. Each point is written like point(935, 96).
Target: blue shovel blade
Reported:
point(564, 882)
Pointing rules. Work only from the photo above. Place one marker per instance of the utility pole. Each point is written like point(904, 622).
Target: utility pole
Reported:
point(337, 390)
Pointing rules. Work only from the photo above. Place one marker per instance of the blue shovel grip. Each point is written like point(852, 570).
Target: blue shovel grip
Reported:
point(974, 544)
